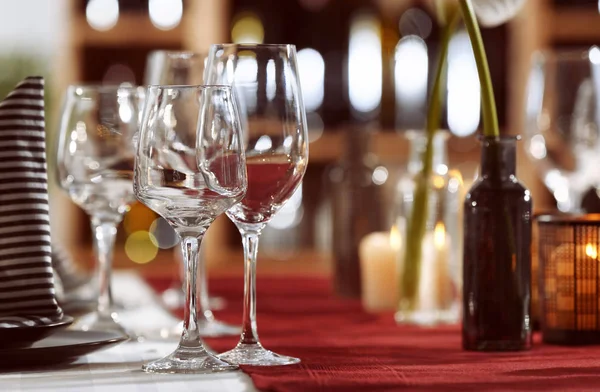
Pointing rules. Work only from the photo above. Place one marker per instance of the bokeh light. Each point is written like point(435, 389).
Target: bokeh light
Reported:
point(415, 22)
point(380, 175)
point(162, 234)
point(365, 64)
point(102, 15)
point(464, 91)
point(248, 29)
point(316, 126)
point(311, 68)
point(139, 247)
point(138, 218)
point(594, 55)
point(117, 74)
point(165, 14)
point(411, 70)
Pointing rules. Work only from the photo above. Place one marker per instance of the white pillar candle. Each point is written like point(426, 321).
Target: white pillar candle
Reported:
point(379, 258)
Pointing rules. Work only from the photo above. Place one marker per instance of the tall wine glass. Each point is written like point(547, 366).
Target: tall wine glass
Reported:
point(172, 68)
point(95, 167)
point(265, 79)
point(562, 119)
point(190, 168)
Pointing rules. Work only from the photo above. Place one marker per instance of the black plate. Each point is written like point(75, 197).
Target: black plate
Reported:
point(26, 336)
point(62, 347)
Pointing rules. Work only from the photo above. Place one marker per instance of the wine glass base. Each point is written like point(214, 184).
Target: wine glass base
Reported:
point(256, 355)
point(97, 322)
point(186, 360)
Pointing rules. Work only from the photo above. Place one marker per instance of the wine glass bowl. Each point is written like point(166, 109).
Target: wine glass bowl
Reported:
point(266, 85)
point(190, 168)
point(562, 117)
point(188, 191)
point(95, 159)
point(272, 179)
point(175, 68)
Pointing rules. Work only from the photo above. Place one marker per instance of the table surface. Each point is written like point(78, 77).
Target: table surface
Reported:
point(342, 348)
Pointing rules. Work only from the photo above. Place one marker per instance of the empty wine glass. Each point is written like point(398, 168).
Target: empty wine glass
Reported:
point(95, 166)
point(562, 117)
point(173, 68)
point(266, 83)
point(190, 168)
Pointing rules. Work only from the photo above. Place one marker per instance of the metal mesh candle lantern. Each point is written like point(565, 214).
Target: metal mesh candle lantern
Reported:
point(569, 278)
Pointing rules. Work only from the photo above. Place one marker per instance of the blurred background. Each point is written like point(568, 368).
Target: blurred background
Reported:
point(365, 70)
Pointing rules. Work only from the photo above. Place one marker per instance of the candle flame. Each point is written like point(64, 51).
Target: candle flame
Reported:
point(395, 239)
point(591, 251)
point(439, 235)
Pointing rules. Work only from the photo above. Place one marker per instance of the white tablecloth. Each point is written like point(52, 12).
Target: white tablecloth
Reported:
point(119, 368)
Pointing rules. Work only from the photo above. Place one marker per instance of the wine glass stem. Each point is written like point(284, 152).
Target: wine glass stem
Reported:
point(203, 276)
point(190, 337)
point(249, 334)
point(105, 233)
point(203, 301)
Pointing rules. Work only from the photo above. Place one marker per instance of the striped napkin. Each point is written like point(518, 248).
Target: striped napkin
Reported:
point(27, 294)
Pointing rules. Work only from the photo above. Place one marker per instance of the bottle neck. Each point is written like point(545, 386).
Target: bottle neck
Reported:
point(498, 157)
point(418, 144)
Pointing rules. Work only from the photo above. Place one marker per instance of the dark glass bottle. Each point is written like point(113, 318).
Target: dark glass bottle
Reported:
point(497, 254)
point(356, 205)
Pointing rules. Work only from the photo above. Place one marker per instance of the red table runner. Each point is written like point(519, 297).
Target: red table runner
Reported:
point(345, 349)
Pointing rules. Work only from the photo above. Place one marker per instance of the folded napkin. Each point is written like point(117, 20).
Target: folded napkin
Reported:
point(27, 294)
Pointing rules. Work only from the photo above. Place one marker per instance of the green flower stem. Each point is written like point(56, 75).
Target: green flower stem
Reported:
point(490, 116)
point(416, 225)
point(488, 102)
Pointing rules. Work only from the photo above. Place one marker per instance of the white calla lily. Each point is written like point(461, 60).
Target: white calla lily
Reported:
point(491, 13)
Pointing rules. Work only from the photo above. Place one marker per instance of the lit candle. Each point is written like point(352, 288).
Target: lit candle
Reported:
point(379, 258)
point(561, 283)
point(435, 285)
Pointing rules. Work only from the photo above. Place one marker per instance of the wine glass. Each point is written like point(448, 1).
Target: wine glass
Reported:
point(190, 168)
point(95, 167)
point(562, 117)
point(172, 68)
point(175, 68)
point(265, 80)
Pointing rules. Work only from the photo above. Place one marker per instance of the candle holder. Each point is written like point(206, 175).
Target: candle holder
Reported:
point(535, 289)
point(434, 297)
point(569, 278)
